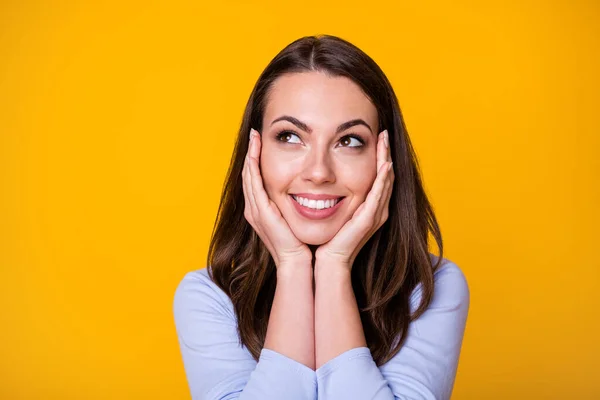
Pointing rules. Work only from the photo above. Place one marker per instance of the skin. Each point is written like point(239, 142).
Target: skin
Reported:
point(314, 327)
point(321, 161)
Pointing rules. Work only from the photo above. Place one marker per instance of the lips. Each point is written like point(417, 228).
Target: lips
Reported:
point(315, 214)
point(314, 196)
point(316, 204)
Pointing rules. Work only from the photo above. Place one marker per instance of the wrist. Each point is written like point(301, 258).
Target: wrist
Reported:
point(322, 256)
point(332, 269)
point(294, 269)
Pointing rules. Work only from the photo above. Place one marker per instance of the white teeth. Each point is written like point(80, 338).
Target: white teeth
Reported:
point(316, 204)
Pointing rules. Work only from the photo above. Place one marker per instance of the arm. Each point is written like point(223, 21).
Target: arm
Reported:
point(291, 324)
point(216, 366)
point(337, 321)
point(424, 368)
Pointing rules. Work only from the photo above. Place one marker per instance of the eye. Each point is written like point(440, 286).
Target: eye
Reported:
point(358, 142)
point(285, 136)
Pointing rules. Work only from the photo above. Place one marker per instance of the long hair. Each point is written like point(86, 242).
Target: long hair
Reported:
point(387, 268)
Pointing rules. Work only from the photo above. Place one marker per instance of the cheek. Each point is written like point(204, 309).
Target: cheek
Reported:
point(275, 172)
point(359, 178)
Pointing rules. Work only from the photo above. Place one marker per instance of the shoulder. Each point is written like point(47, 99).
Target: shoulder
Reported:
point(426, 365)
point(197, 292)
point(451, 289)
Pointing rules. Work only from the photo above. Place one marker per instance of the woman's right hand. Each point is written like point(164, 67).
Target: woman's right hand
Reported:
point(264, 216)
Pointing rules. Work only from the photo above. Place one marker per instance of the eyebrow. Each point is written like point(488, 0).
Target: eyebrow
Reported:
point(306, 128)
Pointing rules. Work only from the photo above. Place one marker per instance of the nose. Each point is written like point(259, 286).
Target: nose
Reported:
point(318, 166)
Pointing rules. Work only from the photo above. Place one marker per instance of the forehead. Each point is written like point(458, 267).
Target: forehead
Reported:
point(318, 100)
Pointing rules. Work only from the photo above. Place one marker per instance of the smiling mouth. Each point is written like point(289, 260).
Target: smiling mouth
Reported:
point(316, 204)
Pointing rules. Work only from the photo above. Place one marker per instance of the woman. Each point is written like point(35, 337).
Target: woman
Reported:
point(319, 281)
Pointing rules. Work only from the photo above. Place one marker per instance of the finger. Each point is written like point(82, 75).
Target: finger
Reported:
point(245, 176)
point(378, 185)
point(381, 150)
point(255, 150)
point(376, 193)
point(260, 195)
point(244, 190)
point(389, 180)
point(249, 181)
point(385, 199)
point(388, 148)
point(247, 193)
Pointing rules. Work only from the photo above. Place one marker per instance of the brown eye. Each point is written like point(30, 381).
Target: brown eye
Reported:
point(347, 140)
point(286, 137)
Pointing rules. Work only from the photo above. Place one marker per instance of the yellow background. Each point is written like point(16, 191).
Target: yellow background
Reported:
point(117, 123)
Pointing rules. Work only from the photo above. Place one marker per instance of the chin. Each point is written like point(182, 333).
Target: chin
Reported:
point(314, 235)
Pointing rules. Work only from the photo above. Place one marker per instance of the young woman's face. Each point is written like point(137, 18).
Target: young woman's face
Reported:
point(319, 137)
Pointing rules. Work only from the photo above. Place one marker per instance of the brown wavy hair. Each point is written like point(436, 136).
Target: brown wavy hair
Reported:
point(388, 267)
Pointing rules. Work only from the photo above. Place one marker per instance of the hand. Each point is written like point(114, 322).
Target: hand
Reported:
point(368, 218)
point(264, 216)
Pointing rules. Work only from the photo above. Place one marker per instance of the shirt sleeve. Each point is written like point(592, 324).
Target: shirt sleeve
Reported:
point(424, 368)
point(216, 365)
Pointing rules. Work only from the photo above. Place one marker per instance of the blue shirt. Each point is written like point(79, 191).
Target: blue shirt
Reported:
point(217, 367)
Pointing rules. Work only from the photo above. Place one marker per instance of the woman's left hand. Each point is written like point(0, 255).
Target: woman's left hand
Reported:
point(372, 213)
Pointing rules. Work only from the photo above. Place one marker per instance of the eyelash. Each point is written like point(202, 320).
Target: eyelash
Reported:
point(285, 132)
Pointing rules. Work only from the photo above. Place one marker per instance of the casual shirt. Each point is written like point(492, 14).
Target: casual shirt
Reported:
point(218, 367)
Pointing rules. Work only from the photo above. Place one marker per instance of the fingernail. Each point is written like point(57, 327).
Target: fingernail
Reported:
point(251, 135)
point(385, 139)
point(390, 167)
